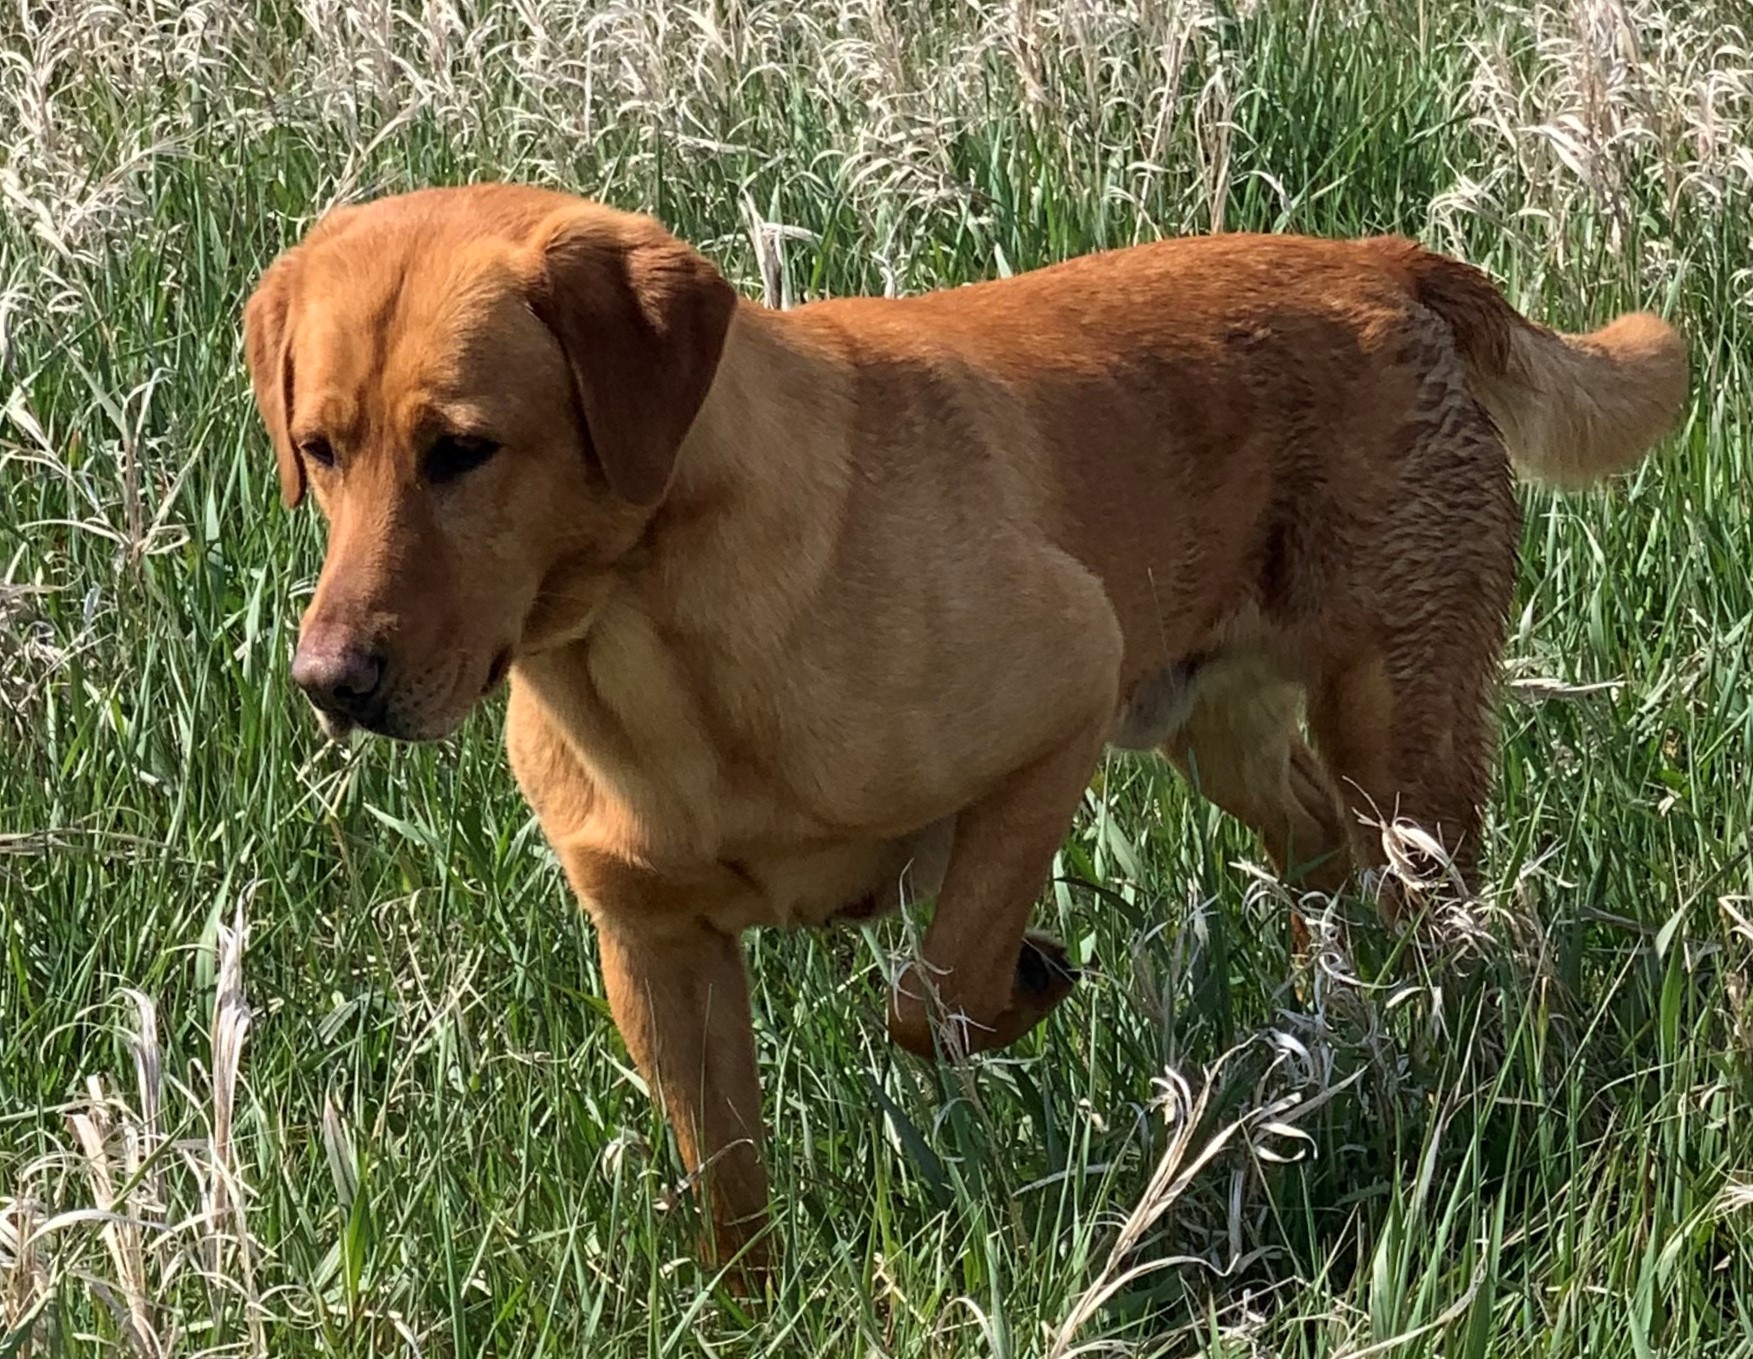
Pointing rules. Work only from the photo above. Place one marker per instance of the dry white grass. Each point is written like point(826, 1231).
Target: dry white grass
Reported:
point(145, 1200)
point(1268, 1132)
point(1615, 91)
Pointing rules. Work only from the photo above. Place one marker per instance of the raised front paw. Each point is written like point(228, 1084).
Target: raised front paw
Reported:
point(1044, 974)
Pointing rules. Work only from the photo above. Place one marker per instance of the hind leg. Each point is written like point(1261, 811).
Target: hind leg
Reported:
point(1240, 747)
point(1405, 722)
point(1401, 706)
point(1411, 742)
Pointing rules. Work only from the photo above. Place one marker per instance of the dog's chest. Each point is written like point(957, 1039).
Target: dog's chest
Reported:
point(852, 880)
point(656, 814)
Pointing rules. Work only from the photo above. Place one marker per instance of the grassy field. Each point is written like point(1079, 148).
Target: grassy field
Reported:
point(302, 1051)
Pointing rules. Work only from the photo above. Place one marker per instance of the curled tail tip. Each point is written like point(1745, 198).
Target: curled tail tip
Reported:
point(1587, 407)
point(1650, 352)
point(1647, 360)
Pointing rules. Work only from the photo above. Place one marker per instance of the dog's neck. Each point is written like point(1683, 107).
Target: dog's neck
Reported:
point(742, 545)
point(729, 570)
point(760, 479)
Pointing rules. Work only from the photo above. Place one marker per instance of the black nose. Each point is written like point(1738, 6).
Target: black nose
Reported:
point(341, 678)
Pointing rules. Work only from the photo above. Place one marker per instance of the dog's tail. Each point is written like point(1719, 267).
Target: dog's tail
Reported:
point(1572, 409)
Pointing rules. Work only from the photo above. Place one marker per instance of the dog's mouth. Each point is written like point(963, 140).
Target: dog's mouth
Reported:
point(335, 727)
point(340, 728)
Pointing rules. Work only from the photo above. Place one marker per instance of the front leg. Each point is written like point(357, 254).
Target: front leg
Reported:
point(981, 980)
point(680, 998)
point(676, 985)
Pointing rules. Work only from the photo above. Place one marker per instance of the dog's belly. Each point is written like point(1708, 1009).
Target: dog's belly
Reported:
point(1158, 705)
point(1239, 656)
point(857, 880)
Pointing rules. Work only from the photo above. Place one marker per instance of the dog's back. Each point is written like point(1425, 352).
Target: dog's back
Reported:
point(1210, 418)
point(1288, 461)
point(1270, 321)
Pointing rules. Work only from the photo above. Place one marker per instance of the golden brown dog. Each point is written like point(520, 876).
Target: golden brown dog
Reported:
point(803, 611)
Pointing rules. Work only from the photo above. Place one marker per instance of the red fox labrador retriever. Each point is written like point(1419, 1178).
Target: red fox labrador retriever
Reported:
point(807, 612)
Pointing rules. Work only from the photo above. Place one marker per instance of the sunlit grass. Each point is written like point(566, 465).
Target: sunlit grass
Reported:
point(436, 1145)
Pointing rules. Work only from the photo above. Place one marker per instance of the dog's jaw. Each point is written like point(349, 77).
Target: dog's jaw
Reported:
point(419, 726)
point(337, 729)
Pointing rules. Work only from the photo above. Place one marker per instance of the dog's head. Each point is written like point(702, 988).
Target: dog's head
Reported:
point(485, 390)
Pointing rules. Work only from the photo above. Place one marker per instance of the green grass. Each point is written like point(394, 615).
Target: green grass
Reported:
point(1541, 1147)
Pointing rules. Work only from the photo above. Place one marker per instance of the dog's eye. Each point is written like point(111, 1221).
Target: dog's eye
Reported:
point(451, 455)
point(317, 450)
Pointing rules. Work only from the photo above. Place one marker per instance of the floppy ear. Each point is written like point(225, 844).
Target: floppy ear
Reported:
point(267, 349)
point(642, 319)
